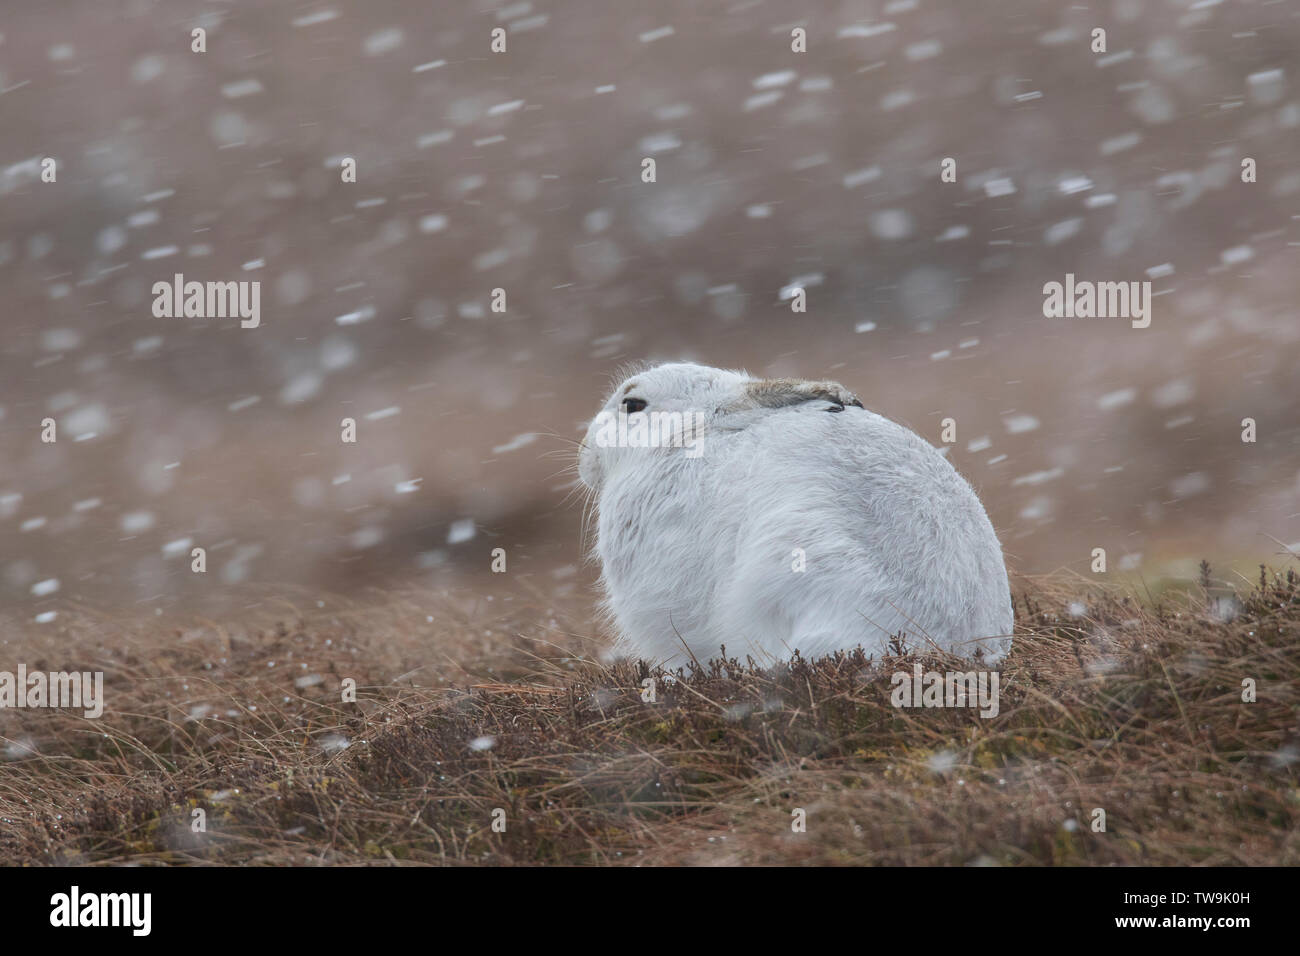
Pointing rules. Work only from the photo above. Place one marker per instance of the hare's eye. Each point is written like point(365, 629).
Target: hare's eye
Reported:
point(634, 405)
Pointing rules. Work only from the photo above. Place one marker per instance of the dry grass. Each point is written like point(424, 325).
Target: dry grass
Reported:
point(1133, 709)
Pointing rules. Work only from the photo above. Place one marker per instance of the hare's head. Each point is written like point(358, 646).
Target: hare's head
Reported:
point(668, 409)
point(661, 409)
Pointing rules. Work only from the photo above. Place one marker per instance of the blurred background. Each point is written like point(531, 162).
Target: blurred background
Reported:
point(522, 171)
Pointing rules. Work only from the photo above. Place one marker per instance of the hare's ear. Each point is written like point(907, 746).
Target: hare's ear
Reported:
point(783, 392)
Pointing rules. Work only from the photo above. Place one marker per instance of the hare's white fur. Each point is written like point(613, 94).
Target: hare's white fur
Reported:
point(699, 551)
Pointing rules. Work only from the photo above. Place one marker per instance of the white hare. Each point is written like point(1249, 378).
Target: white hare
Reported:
point(772, 515)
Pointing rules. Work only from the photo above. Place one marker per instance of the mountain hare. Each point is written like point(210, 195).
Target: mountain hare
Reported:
point(772, 515)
